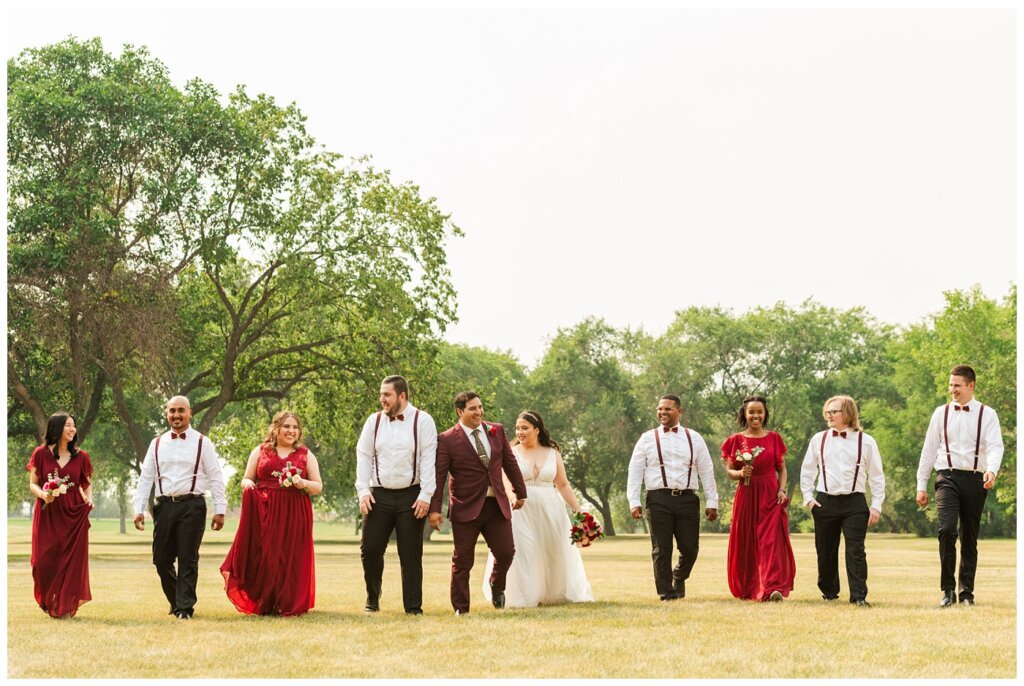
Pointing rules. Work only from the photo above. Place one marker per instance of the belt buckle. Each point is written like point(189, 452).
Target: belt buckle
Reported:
point(676, 491)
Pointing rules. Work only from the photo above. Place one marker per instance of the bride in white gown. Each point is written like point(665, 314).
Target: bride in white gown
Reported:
point(547, 568)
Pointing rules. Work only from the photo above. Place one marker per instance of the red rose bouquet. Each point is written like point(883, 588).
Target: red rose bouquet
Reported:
point(56, 486)
point(585, 529)
point(287, 476)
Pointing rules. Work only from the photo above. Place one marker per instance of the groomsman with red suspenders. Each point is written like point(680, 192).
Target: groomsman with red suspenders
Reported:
point(845, 461)
point(395, 483)
point(964, 446)
point(669, 460)
point(182, 463)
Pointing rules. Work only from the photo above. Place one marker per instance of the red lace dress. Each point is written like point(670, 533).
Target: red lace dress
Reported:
point(269, 568)
point(760, 557)
point(60, 536)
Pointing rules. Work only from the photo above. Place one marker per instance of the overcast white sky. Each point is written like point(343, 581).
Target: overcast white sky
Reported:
point(629, 163)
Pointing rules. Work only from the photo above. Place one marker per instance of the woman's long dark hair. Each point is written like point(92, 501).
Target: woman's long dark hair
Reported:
point(742, 418)
point(544, 438)
point(55, 429)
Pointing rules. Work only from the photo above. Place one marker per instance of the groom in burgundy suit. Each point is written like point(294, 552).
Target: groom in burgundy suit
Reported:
point(475, 454)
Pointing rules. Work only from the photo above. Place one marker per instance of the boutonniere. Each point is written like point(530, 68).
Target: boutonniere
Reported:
point(492, 430)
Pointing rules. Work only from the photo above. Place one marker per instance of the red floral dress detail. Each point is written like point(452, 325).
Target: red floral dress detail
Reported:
point(60, 536)
point(269, 568)
point(760, 557)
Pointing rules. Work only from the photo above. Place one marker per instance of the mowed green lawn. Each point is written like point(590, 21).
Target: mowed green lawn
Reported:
point(125, 631)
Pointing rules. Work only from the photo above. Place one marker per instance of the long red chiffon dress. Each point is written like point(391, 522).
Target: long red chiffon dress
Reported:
point(760, 557)
point(269, 568)
point(60, 536)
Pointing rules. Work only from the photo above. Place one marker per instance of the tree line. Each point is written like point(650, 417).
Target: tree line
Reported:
point(166, 239)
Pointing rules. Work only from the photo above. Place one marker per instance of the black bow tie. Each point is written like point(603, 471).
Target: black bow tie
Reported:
point(399, 417)
point(965, 408)
point(841, 434)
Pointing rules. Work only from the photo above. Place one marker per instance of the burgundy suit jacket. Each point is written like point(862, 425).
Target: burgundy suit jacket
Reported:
point(457, 458)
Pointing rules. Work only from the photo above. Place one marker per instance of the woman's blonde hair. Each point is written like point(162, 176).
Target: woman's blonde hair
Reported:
point(848, 406)
point(275, 427)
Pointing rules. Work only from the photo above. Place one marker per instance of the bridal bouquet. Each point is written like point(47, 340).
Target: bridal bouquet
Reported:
point(585, 529)
point(56, 485)
point(746, 456)
point(287, 476)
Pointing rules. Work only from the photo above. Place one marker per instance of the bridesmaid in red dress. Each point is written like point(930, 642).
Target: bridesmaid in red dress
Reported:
point(60, 524)
point(760, 560)
point(269, 569)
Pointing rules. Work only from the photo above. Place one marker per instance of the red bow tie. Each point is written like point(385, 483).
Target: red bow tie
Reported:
point(965, 408)
point(181, 435)
point(674, 429)
point(399, 417)
point(841, 434)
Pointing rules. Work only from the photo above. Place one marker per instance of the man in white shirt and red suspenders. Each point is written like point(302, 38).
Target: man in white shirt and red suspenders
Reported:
point(964, 446)
point(182, 463)
point(669, 460)
point(395, 482)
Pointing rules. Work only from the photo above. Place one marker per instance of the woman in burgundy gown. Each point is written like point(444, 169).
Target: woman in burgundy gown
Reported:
point(60, 524)
point(269, 568)
point(760, 562)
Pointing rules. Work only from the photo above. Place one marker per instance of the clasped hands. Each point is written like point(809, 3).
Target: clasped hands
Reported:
point(435, 518)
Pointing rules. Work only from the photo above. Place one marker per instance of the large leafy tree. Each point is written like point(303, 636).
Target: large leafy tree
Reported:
point(584, 392)
point(972, 329)
point(169, 240)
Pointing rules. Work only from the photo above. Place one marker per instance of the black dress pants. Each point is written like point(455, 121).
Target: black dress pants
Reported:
point(845, 515)
point(673, 517)
point(392, 511)
point(959, 498)
point(177, 533)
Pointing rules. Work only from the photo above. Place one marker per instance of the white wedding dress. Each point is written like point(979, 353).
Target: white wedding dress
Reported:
point(547, 568)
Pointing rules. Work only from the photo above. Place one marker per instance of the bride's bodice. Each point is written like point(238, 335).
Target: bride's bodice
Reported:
point(540, 476)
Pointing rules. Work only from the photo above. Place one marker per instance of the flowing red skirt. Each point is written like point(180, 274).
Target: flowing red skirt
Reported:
point(760, 558)
point(60, 554)
point(269, 569)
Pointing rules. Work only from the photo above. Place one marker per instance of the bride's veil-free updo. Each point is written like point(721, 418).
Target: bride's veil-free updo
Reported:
point(544, 438)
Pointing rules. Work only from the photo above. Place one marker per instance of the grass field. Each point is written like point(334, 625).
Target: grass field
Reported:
point(125, 631)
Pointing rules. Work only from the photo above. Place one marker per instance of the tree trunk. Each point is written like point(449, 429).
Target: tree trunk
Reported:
point(122, 504)
point(606, 516)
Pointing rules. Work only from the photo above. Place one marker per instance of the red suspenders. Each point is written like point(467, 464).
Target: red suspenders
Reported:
point(856, 472)
point(415, 445)
point(945, 436)
point(195, 471)
point(661, 460)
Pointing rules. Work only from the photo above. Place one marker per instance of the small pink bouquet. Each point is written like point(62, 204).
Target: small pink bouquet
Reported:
point(288, 476)
point(56, 486)
point(585, 529)
point(745, 456)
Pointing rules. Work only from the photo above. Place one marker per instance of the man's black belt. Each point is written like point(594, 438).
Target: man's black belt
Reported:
point(177, 498)
point(672, 491)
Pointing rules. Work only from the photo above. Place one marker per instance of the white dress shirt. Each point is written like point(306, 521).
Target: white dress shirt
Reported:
point(962, 430)
point(177, 464)
point(394, 454)
point(841, 467)
point(675, 449)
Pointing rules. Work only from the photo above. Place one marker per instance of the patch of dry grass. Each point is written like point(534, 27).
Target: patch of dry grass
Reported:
point(124, 632)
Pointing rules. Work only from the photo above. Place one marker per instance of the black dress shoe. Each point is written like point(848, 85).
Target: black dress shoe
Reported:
point(415, 611)
point(948, 599)
point(672, 595)
point(371, 607)
point(497, 598)
point(861, 603)
point(679, 588)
